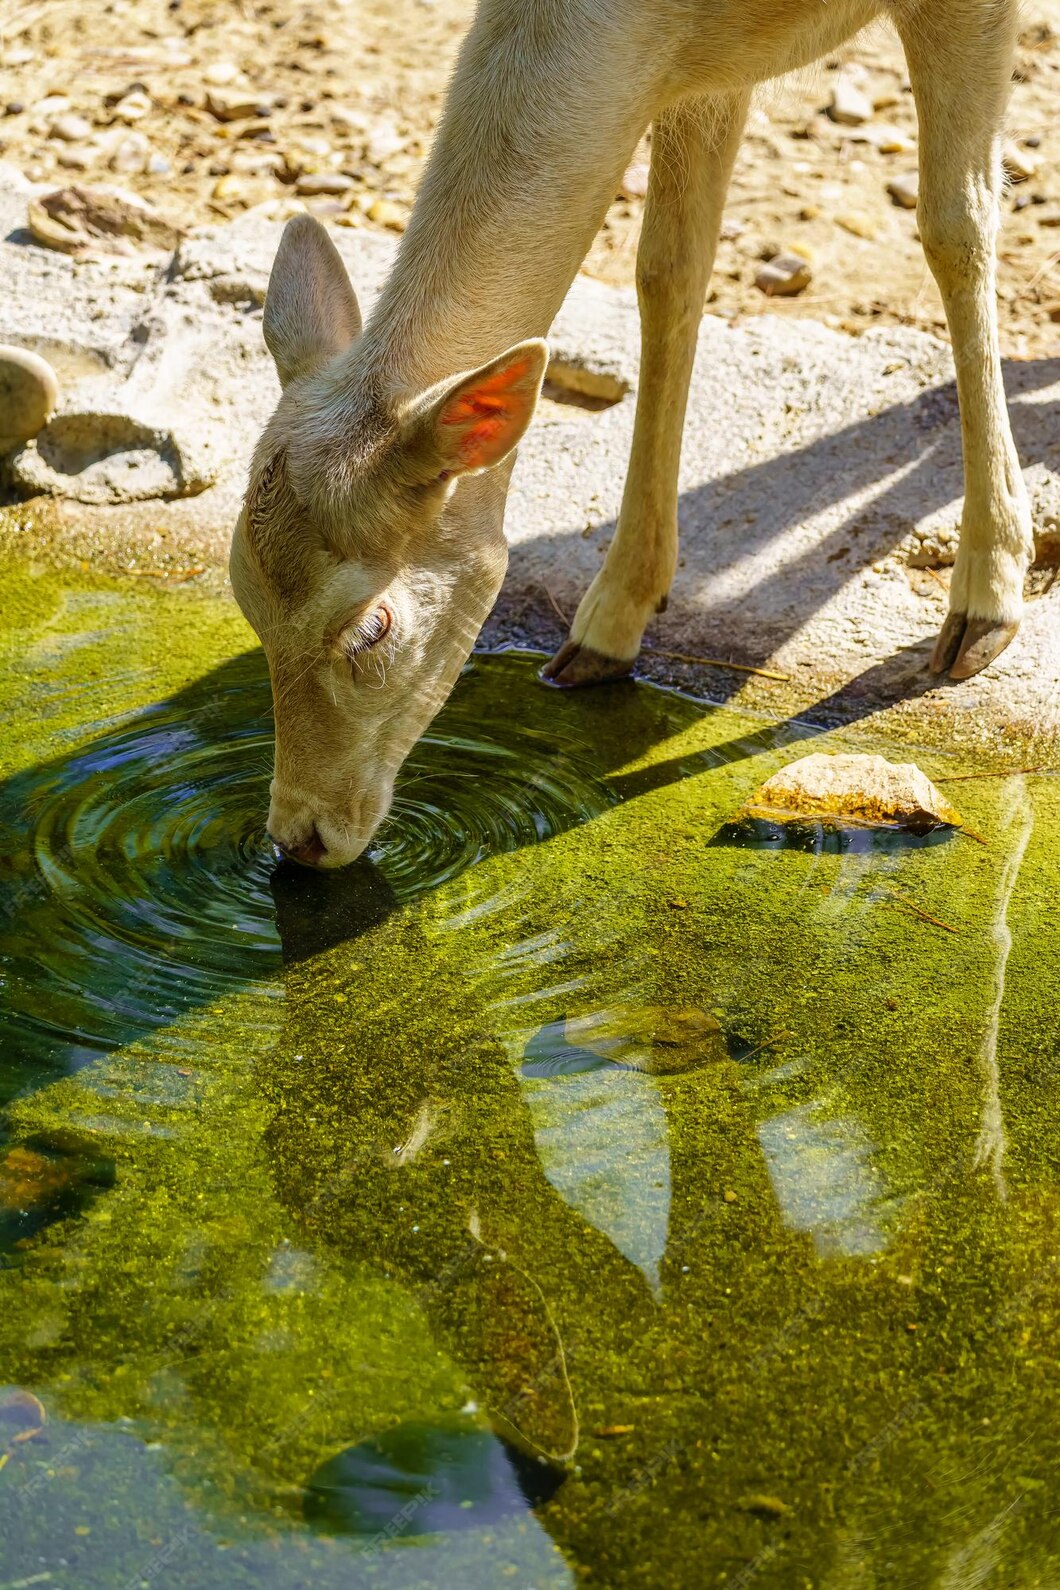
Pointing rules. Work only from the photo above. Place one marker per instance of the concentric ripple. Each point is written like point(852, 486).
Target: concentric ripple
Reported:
point(138, 882)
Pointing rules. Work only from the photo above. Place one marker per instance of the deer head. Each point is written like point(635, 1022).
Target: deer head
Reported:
point(369, 550)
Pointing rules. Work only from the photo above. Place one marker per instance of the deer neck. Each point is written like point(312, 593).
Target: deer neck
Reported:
point(541, 119)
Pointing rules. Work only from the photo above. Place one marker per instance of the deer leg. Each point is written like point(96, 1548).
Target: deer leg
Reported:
point(693, 148)
point(960, 57)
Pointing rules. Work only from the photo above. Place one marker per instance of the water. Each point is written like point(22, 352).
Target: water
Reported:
point(579, 1183)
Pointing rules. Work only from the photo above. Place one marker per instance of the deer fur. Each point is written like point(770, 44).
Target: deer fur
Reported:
point(370, 548)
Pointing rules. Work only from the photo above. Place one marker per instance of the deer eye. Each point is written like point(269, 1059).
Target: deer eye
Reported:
point(368, 632)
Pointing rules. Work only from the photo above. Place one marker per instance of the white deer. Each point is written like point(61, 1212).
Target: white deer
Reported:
point(370, 548)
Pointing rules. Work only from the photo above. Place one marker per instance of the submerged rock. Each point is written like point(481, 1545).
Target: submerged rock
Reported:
point(863, 790)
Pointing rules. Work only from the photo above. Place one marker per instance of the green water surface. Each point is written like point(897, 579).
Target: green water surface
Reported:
point(569, 1192)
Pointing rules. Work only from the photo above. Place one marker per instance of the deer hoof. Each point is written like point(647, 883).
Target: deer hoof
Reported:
point(575, 665)
point(967, 645)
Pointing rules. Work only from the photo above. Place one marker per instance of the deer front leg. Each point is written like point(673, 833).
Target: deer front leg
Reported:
point(693, 148)
point(960, 56)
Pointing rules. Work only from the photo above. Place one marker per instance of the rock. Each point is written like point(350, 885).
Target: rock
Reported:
point(849, 106)
point(28, 395)
point(220, 73)
point(231, 288)
point(1018, 164)
point(783, 276)
point(634, 184)
point(132, 106)
point(858, 224)
point(237, 104)
point(386, 213)
point(71, 129)
point(130, 153)
point(864, 791)
point(98, 220)
point(888, 140)
point(384, 140)
point(904, 189)
point(72, 159)
point(99, 456)
point(324, 182)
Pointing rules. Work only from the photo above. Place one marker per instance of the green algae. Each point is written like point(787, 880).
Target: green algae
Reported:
point(818, 1266)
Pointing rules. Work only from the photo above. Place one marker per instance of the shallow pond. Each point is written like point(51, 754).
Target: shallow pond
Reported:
point(576, 1189)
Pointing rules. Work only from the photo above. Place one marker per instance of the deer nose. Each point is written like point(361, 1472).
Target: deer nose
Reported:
point(309, 851)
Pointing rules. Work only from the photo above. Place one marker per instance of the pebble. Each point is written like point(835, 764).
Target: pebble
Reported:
point(634, 184)
point(76, 219)
point(383, 141)
point(71, 129)
point(858, 224)
point(236, 104)
point(1019, 165)
point(903, 190)
point(783, 276)
point(132, 106)
point(849, 106)
point(324, 182)
point(29, 392)
point(220, 73)
point(130, 153)
point(386, 213)
point(73, 159)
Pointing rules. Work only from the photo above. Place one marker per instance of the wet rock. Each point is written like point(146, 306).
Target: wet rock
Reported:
point(98, 220)
point(21, 1416)
point(29, 393)
point(71, 129)
point(864, 791)
point(904, 189)
point(849, 106)
point(783, 276)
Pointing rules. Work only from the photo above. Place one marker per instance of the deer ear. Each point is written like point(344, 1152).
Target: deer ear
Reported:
point(311, 311)
point(472, 422)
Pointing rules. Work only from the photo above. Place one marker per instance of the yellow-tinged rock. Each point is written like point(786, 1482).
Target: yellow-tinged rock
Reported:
point(867, 791)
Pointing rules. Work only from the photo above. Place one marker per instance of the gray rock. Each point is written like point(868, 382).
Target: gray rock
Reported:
point(100, 458)
point(29, 392)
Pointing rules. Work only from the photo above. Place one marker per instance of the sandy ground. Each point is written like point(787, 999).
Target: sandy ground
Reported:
point(345, 96)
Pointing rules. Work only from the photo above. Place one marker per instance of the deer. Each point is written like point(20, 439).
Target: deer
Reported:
point(370, 550)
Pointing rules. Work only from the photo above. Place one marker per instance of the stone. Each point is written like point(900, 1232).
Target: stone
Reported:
point(237, 104)
point(324, 182)
point(29, 393)
point(98, 220)
point(386, 213)
point(132, 106)
point(130, 153)
point(904, 189)
point(866, 791)
point(634, 184)
point(71, 129)
point(1019, 166)
point(98, 456)
point(783, 276)
point(74, 159)
point(220, 73)
point(858, 224)
point(849, 106)
point(383, 141)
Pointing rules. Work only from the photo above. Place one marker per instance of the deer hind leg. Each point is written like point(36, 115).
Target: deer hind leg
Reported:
point(693, 148)
point(960, 56)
